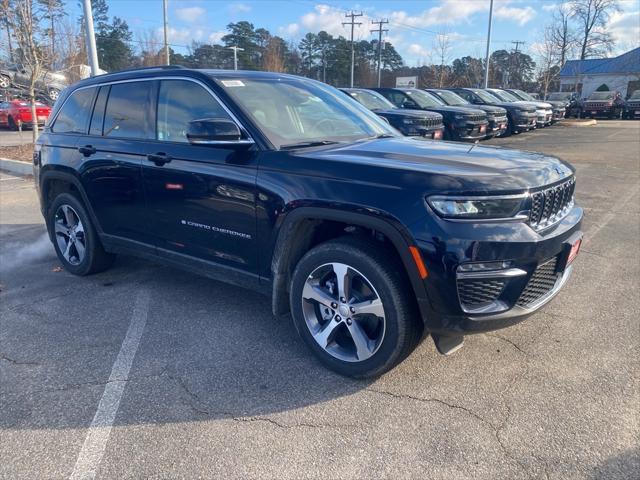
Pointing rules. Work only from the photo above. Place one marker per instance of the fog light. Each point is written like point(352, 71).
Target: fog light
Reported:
point(485, 266)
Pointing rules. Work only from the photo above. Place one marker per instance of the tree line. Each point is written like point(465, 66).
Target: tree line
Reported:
point(57, 42)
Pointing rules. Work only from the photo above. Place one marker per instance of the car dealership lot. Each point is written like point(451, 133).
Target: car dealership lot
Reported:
point(218, 387)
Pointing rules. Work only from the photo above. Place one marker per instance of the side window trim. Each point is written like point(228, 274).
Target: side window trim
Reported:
point(245, 132)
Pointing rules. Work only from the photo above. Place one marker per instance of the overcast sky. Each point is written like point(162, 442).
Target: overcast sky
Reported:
point(413, 24)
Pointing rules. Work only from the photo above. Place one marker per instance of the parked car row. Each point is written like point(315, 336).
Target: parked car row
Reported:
point(463, 114)
point(608, 104)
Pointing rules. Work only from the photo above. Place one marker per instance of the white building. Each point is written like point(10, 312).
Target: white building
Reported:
point(620, 73)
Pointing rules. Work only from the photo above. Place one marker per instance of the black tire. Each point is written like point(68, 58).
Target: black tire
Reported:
point(95, 258)
point(403, 326)
point(12, 124)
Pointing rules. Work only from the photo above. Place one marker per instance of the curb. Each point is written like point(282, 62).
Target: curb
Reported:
point(16, 167)
point(580, 123)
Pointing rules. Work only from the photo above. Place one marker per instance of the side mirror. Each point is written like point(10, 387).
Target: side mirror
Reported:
point(213, 130)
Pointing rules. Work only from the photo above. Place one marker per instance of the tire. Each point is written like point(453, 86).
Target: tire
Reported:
point(11, 123)
point(86, 256)
point(53, 94)
point(375, 276)
point(5, 82)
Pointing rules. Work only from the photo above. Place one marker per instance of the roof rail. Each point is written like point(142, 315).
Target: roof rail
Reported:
point(138, 69)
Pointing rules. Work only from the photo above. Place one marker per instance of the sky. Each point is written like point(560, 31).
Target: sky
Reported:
point(414, 25)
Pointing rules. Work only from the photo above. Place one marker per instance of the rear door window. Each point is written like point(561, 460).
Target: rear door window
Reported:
point(180, 102)
point(128, 111)
point(74, 114)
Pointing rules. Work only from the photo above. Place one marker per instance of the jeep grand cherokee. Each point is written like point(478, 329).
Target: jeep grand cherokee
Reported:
point(287, 186)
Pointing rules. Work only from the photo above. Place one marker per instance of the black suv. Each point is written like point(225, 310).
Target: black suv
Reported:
point(603, 104)
point(522, 117)
point(461, 124)
point(496, 116)
point(285, 185)
point(409, 122)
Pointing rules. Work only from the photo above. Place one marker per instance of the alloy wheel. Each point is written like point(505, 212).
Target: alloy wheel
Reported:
point(70, 235)
point(4, 81)
point(53, 94)
point(343, 312)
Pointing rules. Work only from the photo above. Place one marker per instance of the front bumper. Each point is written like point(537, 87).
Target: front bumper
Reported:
point(632, 111)
point(525, 122)
point(527, 251)
point(470, 131)
point(497, 126)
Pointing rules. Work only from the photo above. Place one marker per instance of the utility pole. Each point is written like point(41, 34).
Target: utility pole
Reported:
point(92, 53)
point(486, 58)
point(353, 23)
point(235, 55)
point(514, 54)
point(380, 30)
point(166, 35)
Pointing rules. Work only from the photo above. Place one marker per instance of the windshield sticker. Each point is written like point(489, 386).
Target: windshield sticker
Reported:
point(232, 83)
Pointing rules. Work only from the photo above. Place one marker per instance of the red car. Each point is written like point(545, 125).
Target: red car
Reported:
point(17, 113)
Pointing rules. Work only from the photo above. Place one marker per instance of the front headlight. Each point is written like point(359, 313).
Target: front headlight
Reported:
point(459, 117)
point(499, 207)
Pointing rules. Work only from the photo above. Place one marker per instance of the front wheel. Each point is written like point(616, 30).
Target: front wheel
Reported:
point(5, 82)
point(74, 237)
point(351, 304)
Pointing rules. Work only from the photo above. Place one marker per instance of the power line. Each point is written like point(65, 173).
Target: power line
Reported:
point(379, 30)
point(353, 23)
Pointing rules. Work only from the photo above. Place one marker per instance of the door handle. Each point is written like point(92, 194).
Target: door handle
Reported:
point(159, 158)
point(87, 150)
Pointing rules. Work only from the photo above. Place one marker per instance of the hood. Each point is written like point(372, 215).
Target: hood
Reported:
point(557, 103)
point(446, 167)
point(519, 105)
point(607, 101)
point(471, 110)
point(396, 112)
point(491, 109)
point(538, 105)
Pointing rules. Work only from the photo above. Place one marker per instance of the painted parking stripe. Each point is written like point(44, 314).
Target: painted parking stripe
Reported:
point(98, 434)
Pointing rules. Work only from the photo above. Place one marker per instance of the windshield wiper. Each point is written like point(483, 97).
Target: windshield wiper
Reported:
point(316, 143)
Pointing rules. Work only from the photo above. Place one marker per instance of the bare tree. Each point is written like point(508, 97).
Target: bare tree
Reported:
point(27, 30)
point(150, 48)
point(548, 59)
point(6, 13)
point(53, 10)
point(273, 57)
point(592, 17)
point(563, 34)
point(442, 47)
point(70, 50)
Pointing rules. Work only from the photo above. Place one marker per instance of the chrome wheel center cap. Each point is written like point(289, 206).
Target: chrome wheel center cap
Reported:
point(344, 311)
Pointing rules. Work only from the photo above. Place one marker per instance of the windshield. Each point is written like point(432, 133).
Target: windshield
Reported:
point(486, 96)
point(635, 95)
point(424, 100)
point(371, 100)
point(523, 95)
point(292, 111)
point(505, 96)
point(559, 96)
point(451, 98)
point(601, 96)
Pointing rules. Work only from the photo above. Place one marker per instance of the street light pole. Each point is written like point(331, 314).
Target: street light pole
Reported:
point(166, 35)
point(235, 55)
point(92, 53)
point(486, 58)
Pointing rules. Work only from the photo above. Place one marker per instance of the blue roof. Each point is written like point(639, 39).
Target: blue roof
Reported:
point(626, 63)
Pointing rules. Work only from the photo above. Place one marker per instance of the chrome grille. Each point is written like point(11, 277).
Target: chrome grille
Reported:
point(541, 282)
point(474, 293)
point(432, 122)
point(551, 204)
point(475, 118)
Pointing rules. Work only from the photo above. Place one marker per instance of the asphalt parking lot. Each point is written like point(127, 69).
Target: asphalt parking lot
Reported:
point(219, 388)
point(9, 138)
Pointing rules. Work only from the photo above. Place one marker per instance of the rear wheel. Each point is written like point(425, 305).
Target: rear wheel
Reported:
point(74, 237)
point(53, 94)
point(5, 82)
point(12, 124)
point(351, 305)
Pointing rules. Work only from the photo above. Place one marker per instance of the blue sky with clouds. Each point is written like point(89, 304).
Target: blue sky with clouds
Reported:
point(413, 24)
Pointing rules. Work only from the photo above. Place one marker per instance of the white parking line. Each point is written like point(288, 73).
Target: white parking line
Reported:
point(98, 434)
point(613, 212)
